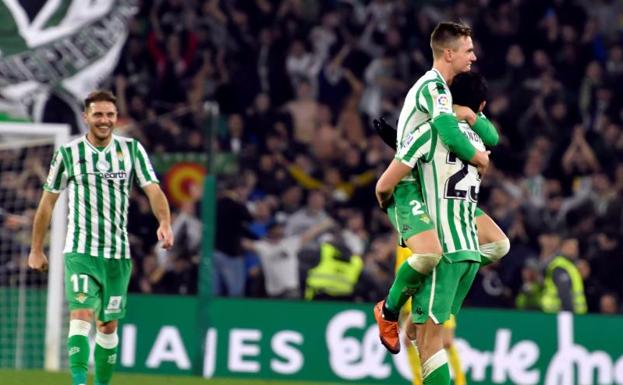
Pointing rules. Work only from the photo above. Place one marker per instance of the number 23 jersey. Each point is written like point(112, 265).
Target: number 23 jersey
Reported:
point(450, 189)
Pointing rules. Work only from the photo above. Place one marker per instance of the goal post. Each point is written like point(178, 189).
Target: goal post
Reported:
point(19, 141)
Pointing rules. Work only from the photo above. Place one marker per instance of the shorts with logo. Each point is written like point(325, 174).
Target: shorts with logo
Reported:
point(444, 291)
point(99, 284)
point(408, 212)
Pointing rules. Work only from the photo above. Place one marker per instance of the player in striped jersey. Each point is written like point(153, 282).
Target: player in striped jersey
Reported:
point(97, 169)
point(450, 188)
point(428, 101)
point(493, 243)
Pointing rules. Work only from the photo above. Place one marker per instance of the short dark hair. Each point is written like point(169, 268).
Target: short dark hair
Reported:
point(445, 33)
point(469, 89)
point(99, 96)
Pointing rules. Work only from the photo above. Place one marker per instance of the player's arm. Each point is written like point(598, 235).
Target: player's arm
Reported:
point(479, 123)
point(436, 100)
point(416, 146)
point(388, 181)
point(160, 208)
point(37, 259)
point(486, 130)
point(385, 131)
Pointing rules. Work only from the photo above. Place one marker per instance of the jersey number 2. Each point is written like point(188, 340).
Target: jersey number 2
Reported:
point(452, 191)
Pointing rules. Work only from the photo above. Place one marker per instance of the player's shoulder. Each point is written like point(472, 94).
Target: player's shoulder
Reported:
point(123, 139)
point(72, 143)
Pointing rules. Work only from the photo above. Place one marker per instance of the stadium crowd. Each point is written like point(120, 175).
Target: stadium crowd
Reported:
point(298, 84)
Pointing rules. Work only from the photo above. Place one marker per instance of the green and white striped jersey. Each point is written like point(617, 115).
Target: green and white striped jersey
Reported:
point(449, 186)
point(99, 183)
point(428, 98)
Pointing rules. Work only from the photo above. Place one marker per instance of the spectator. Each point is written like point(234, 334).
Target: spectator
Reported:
point(232, 216)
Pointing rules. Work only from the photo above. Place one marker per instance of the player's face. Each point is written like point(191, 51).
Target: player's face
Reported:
point(101, 117)
point(463, 55)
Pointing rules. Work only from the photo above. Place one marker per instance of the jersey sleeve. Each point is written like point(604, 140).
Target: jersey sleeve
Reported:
point(437, 101)
point(415, 146)
point(486, 130)
point(144, 170)
point(57, 176)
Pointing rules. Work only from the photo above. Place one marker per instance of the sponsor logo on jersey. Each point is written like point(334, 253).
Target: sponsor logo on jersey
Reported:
point(120, 175)
point(114, 304)
point(442, 102)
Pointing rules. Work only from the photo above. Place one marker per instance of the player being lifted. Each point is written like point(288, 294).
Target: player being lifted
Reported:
point(97, 169)
point(450, 191)
point(468, 90)
point(429, 101)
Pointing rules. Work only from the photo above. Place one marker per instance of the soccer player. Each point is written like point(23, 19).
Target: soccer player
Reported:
point(428, 101)
point(450, 188)
point(98, 170)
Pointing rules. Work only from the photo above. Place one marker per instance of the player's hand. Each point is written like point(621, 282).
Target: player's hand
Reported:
point(481, 161)
point(37, 261)
point(385, 131)
point(464, 113)
point(165, 235)
point(384, 202)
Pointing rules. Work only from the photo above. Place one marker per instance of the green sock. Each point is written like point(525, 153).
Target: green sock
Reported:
point(78, 349)
point(105, 357)
point(405, 285)
point(439, 376)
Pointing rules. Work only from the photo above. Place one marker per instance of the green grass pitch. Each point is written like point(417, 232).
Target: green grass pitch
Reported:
point(39, 377)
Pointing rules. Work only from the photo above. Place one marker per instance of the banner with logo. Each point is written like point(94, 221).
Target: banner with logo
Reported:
point(58, 51)
point(338, 342)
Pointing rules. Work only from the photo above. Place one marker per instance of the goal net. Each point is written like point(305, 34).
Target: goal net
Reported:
point(31, 303)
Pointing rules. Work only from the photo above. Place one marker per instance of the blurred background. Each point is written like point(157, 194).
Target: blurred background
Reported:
point(258, 114)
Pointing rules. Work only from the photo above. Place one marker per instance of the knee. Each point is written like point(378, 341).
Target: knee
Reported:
point(424, 263)
point(411, 331)
point(447, 342)
point(107, 327)
point(82, 314)
point(496, 250)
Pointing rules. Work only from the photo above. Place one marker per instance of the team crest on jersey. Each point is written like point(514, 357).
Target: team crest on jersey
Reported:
point(424, 218)
point(102, 165)
point(119, 155)
point(81, 297)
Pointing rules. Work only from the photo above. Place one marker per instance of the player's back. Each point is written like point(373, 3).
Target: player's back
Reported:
point(428, 97)
point(450, 189)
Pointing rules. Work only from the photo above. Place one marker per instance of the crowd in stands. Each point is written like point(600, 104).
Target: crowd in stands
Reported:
point(298, 83)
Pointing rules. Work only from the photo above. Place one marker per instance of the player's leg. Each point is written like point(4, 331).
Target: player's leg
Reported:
point(432, 307)
point(494, 244)
point(413, 357)
point(449, 328)
point(82, 291)
point(426, 252)
point(114, 299)
point(409, 217)
point(105, 355)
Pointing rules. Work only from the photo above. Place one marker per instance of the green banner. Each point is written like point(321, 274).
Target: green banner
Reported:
point(338, 342)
